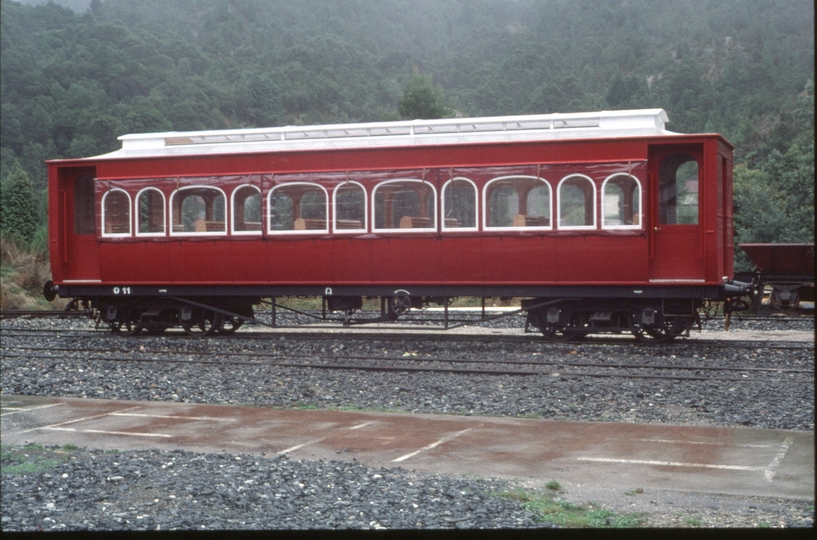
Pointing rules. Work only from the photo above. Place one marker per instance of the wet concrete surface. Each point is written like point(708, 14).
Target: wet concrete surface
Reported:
point(735, 461)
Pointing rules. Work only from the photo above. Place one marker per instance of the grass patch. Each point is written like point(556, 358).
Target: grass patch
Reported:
point(32, 458)
point(23, 271)
point(547, 507)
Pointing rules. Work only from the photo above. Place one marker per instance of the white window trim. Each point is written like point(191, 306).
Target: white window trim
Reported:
point(559, 205)
point(476, 207)
point(130, 215)
point(193, 233)
point(487, 228)
point(138, 213)
point(335, 214)
point(433, 227)
point(325, 230)
point(233, 213)
point(640, 207)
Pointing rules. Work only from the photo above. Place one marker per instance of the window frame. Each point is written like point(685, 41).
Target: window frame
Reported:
point(233, 213)
point(594, 203)
point(194, 233)
point(485, 202)
point(365, 228)
point(138, 213)
point(662, 206)
point(268, 215)
point(634, 226)
point(476, 206)
point(434, 226)
point(130, 214)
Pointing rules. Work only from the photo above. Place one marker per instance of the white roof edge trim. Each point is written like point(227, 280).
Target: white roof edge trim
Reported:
point(400, 133)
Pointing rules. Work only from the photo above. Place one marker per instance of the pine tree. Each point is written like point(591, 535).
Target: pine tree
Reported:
point(19, 205)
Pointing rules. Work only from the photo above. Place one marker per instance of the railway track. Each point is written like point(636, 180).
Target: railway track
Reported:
point(42, 313)
point(425, 335)
point(533, 366)
point(760, 384)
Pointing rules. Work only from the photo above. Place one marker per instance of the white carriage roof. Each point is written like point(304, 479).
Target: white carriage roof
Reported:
point(604, 124)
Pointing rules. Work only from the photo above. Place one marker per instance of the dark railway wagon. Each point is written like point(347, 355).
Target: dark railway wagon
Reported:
point(787, 270)
point(601, 221)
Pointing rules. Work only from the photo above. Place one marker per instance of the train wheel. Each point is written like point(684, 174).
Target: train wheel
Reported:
point(658, 333)
point(200, 324)
point(785, 299)
point(126, 326)
point(558, 333)
point(226, 324)
point(118, 327)
point(399, 304)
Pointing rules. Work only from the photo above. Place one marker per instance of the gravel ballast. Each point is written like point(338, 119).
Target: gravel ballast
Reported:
point(112, 491)
point(164, 490)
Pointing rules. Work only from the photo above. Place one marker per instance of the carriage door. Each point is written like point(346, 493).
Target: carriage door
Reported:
point(80, 251)
point(675, 248)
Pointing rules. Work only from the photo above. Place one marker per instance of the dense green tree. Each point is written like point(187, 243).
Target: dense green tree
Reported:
point(422, 99)
point(19, 205)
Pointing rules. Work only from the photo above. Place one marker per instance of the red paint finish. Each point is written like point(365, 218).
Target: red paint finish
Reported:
point(592, 259)
point(635, 253)
point(351, 261)
point(72, 238)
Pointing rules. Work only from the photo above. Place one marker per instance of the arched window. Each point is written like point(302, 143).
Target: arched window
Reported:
point(678, 190)
point(401, 205)
point(299, 207)
point(577, 202)
point(116, 213)
point(198, 210)
point(350, 208)
point(150, 214)
point(459, 205)
point(514, 202)
point(247, 210)
point(621, 202)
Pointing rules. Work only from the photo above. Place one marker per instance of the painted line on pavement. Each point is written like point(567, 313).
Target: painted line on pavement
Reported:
point(175, 417)
point(315, 441)
point(673, 464)
point(299, 446)
point(739, 445)
point(433, 445)
point(103, 432)
point(16, 410)
point(771, 470)
point(81, 419)
point(363, 425)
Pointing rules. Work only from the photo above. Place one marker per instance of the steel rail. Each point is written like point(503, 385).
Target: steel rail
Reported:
point(37, 313)
point(273, 356)
point(407, 368)
point(435, 335)
point(459, 370)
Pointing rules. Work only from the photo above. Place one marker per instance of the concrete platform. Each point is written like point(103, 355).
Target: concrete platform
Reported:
point(700, 459)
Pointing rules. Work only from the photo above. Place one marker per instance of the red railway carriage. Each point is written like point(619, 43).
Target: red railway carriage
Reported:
point(600, 221)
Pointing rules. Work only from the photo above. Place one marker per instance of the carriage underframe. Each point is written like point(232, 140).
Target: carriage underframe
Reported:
point(560, 313)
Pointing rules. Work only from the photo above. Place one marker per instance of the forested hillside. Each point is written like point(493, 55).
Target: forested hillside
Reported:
point(72, 82)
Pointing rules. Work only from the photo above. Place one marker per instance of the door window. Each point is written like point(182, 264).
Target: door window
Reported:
point(678, 190)
point(84, 205)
